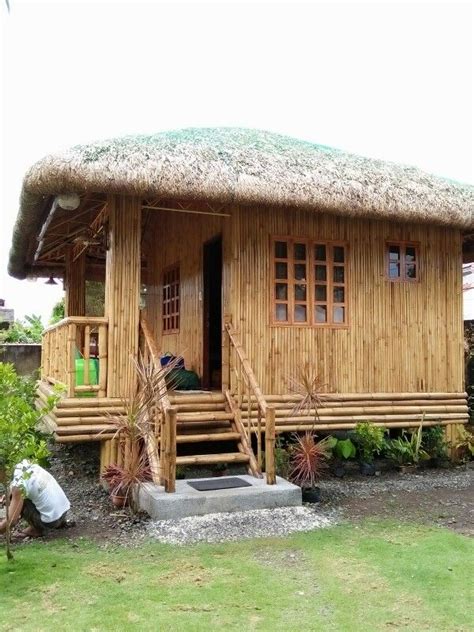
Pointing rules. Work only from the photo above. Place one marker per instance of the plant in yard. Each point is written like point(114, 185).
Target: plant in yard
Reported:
point(308, 460)
point(369, 440)
point(309, 388)
point(434, 444)
point(342, 450)
point(407, 450)
point(134, 428)
point(282, 458)
point(20, 437)
point(465, 444)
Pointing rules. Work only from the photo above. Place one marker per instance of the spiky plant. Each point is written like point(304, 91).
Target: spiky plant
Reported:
point(309, 388)
point(308, 459)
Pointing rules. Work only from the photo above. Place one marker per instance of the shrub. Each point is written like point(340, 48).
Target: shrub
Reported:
point(369, 440)
point(308, 459)
point(433, 442)
point(407, 450)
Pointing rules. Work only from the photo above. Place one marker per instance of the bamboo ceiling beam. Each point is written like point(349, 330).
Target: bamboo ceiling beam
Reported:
point(182, 210)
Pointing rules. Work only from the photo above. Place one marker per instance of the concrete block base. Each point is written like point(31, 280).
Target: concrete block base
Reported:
point(187, 501)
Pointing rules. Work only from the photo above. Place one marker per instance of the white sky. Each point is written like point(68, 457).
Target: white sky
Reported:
point(389, 80)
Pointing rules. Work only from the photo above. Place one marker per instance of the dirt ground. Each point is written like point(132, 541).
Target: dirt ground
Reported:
point(440, 497)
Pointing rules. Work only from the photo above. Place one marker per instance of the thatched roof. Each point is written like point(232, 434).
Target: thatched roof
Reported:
point(239, 166)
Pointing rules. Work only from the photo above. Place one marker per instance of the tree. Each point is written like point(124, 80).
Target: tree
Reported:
point(58, 312)
point(20, 435)
point(28, 331)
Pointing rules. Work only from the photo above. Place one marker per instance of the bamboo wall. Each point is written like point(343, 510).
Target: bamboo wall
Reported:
point(172, 238)
point(402, 337)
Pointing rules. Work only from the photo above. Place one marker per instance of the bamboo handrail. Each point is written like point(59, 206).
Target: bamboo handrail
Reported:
point(265, 413)
point(234, 339)
point(77, 320)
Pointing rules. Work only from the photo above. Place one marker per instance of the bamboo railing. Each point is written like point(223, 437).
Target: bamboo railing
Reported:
point(161, 446)
point(63, 342)
point(244, 399)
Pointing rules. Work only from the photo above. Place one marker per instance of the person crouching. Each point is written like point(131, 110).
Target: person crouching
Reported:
point(36, 497)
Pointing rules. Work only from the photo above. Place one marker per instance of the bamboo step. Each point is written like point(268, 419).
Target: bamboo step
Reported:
point(218, 436)
point(208, 459)
point(204, 416)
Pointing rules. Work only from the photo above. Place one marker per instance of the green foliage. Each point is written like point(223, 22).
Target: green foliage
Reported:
point(58, 312)
point(369, 439)
point(342, 449)
point(20, 437)
point(27, 331)
point(465, 443)
point(433, 442)
point(282, 459)
point(19, 419)
point(407, 449)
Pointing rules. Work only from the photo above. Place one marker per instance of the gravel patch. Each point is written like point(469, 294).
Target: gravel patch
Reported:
point(242, 525)
point(390, 482)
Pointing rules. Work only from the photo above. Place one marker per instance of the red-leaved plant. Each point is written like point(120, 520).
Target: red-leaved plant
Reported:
point(308, 459)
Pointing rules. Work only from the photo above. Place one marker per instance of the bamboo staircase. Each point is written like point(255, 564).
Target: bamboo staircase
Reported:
point(206, 419)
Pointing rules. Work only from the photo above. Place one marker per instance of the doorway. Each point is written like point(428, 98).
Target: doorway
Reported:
point(212, 314)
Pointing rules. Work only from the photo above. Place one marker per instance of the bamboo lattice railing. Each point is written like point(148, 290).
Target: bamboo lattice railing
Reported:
point(252, 413)
point(65, 342)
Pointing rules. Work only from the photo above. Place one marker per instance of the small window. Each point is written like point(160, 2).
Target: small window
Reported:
point(309, 284)
point(402, 262)
point(171, 306)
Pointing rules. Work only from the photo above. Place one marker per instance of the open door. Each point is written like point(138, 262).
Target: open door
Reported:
point(212, 314)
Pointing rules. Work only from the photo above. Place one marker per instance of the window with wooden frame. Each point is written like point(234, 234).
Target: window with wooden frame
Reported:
point(402, 261)
point(309, 283)
point(171, 301)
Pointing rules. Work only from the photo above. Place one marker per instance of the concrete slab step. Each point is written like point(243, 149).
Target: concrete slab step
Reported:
point(187, 501)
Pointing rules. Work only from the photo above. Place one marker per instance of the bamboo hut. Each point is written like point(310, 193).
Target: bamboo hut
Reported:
point(252, 254)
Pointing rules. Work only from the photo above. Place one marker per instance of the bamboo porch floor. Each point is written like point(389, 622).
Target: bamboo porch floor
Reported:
point(206, 433)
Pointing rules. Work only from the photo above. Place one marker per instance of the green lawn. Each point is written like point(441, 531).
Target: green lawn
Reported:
point(376, 576)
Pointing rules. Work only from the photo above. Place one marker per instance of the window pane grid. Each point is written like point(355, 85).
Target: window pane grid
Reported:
point(171, 306)
point(313, 273)
point(402, 261)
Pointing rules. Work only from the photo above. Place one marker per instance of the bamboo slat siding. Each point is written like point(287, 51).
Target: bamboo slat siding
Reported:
point(401, 337)
point(123, 292)
point(174, 238)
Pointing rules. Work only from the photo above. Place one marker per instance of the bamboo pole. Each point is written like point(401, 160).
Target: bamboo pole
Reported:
point(86, 355)
point(270, 446)
point(170, 478)
point(71, 360)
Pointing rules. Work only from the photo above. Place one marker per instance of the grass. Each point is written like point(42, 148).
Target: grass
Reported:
point(375, 576)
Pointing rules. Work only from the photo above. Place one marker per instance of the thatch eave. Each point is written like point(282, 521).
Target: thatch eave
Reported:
point(246, 167)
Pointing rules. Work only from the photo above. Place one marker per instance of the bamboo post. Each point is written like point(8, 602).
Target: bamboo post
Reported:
point(75, 284)
point(71, 357)
point(87, 346)
point(163, 447)
point(225, 356)
point(170, 480)
point(102, 360)
point(270, 446)
point(259, 438)
point(122, 294)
